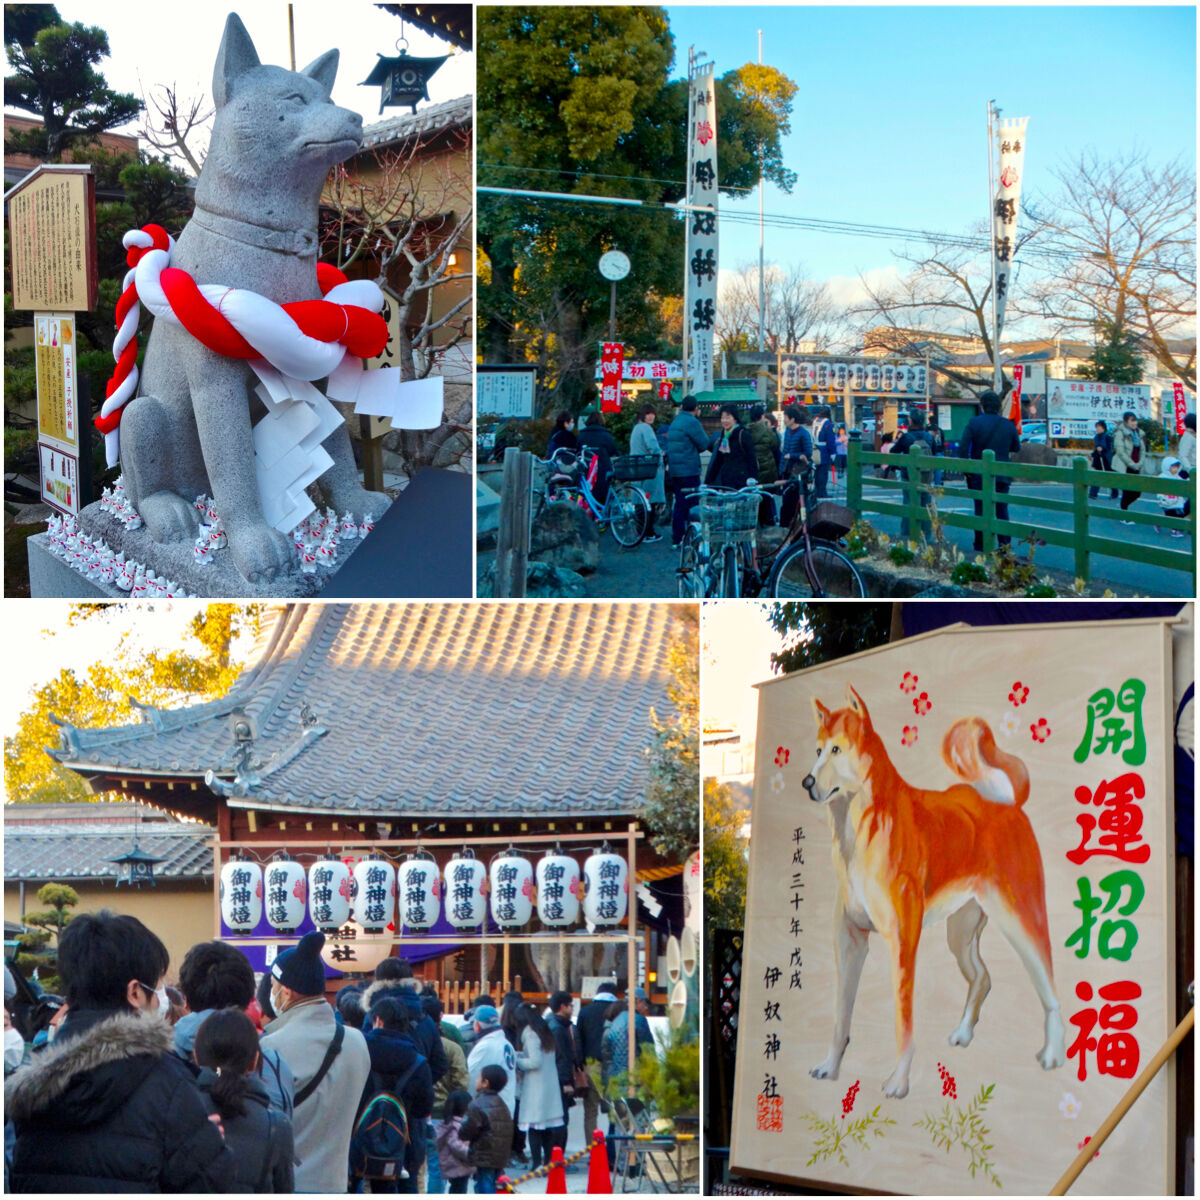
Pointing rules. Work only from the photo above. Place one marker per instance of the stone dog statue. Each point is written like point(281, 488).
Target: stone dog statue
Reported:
point(274, 140)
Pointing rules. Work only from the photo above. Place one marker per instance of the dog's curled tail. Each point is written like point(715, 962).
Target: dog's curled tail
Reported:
point(971, 753)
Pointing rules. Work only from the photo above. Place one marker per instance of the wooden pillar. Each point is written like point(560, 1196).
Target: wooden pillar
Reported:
point(512, 531)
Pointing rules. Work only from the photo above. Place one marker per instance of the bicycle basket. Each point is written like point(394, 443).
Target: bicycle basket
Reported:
point(635, 466)
point(566, 468)
point(723, 515)
point(830, 521)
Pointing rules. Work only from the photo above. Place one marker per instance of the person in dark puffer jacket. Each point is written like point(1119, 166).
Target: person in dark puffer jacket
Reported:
point(260, 1137)
point(394, 978)
point(108, 1107)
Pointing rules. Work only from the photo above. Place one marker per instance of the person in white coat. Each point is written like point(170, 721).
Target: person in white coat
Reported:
point(541, 1111)
point(303, 1032)
point(492, 1048)
point(643, 441)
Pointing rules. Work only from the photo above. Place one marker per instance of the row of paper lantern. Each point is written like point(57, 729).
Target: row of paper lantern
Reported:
point(332, 892)
point(871, 377)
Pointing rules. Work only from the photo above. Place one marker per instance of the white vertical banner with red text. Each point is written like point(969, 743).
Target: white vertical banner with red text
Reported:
point(1006, 208)
point(612, 359)
point(700, 280)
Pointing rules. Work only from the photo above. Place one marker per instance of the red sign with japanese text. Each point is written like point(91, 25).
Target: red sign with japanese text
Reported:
point(612, 358)
point(1180, 407)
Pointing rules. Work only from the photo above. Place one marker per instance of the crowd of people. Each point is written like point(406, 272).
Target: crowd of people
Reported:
point(216, 1083)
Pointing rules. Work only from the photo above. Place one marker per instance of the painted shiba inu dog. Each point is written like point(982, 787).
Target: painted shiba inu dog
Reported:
point(907, 856)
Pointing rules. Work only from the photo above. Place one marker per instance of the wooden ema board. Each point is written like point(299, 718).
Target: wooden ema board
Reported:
point(985, 1117)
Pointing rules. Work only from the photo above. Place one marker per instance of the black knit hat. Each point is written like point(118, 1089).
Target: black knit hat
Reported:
point(301, 968)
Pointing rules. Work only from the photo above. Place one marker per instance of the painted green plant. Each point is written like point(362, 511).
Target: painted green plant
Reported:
point(964, 1128)
point(836, 1133)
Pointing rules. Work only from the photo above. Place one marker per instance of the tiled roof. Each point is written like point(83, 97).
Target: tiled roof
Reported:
point(422, 123)
point(437, 710)
point(60, 854)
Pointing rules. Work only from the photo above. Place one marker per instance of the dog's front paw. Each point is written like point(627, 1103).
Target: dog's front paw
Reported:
point(826, 1070)
point(896, 1086)
point(962, 1036)
point(1051, 1057)
point(260, 552)
point(168, 517)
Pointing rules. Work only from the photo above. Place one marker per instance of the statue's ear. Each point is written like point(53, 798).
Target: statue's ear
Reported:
point(323, 69)
point(821, 714)
point(235, 57)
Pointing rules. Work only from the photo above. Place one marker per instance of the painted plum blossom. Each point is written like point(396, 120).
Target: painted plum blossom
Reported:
point(922, 704)
point(1040, 730)
point(1018, 695)
point(909, 683)
point(909, 736)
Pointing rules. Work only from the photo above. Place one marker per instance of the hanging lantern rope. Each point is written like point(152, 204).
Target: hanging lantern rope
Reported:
point(306, 339)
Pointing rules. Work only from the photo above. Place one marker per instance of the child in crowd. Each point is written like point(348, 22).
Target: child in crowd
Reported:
point(1172, 506)
point(488, 1127)
point(260, 1137)
point(454, 1154)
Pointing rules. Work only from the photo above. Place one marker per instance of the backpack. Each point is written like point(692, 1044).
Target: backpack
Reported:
point(380, 1138)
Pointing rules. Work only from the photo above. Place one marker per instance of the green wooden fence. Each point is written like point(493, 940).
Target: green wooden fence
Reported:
point(1081, 537)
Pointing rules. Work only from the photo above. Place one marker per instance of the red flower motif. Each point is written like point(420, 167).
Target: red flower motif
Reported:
point(849, 1098)
point(949, 1087)
point(1018, 695)
point(299, 890)
point(1084, 1143)
point(258, 889)
point(346, 888)
point(574, 888)
point(527, 887)
point(922, 704)
point(1040, 731)
point(781, 757)
point(909, 736)
point(436, 889)
point(908, 683)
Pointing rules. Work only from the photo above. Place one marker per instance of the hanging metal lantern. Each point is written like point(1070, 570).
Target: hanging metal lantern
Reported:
point(420, 888)
point(241, 895)
point(402, 80)
point(374, 892)
point(330, 889)
point(465, 889)
point(606, 888)
point(558, 887)
point(511, 880)
point(136, 867)
point(286, 891)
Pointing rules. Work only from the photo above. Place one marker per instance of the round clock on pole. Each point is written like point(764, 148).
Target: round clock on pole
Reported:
point(613, 266)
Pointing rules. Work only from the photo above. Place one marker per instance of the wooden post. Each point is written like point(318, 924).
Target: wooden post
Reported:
point(504, 972)
point(372, 457)
point(854, 470)
point(512, 531)
point(1079, 499)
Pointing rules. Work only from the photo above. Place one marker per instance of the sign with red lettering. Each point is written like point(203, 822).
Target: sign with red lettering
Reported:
point(1180, 399)
point(959, 918)
point(612, 357)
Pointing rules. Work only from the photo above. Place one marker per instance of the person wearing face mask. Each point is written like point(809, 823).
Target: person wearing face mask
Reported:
point(108, 1106)
point(329, 1060)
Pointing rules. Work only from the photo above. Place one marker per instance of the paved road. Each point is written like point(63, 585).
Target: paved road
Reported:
point(1125, 576)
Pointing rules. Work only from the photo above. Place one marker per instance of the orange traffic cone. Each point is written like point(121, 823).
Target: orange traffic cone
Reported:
point(556, 1181)
point(599, 1179)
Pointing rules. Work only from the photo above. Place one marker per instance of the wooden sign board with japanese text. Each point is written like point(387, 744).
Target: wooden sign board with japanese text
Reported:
point(955, 966)
point(505, 391)
point(52, 239)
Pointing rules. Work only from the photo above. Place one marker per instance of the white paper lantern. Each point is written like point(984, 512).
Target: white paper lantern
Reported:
point(354, 951)
point(511, 885)
point(919, 379)
point(889, 377)
point(808, 375)
point(465, 889)
point(822, 375)
point(839, 375)
point(241, 895)
point(286, 892)
point(857, 376)
point(374, 892)
point(420, 887)
point(873, 377)
point(558, 888)
point(330, 888)
point(606, 888)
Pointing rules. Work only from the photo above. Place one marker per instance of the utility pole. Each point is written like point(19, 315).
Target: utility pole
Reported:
point(762, 289)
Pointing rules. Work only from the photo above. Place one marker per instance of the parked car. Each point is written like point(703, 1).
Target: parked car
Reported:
point(1033, 431)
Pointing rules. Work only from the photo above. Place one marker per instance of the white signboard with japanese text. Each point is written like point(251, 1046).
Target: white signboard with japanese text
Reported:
point(700, 292)
point(959, 922)
point(1007, 206)
point(1085, 400)
point(505, 393)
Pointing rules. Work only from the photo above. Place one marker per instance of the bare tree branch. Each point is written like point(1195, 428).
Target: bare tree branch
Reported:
point(172, 128)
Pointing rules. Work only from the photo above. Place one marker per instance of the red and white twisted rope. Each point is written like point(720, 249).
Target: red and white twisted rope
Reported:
point(306, 339)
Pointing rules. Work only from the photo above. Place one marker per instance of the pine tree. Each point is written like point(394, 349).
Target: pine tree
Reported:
point(1116, 358)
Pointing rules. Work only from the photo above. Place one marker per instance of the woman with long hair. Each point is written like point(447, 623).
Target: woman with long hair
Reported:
point(540, 1111)
point(226, 1048)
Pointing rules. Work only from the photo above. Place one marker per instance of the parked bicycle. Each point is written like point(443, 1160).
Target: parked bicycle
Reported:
point(626, 510)
point(722, 556)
